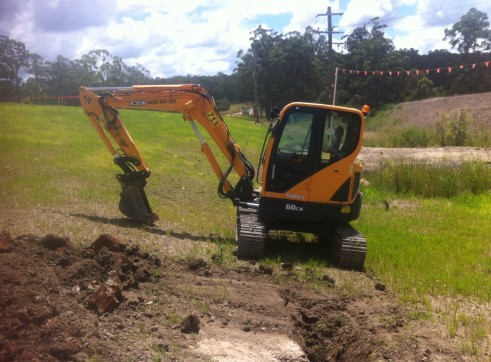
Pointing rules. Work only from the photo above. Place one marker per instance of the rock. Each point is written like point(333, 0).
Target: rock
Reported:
point(107, 258)
point(143, 275)
point(266, 269)
point(106, 299)
point(329, 280)
point(287, 266)
point(6, 242)
point(380, 286)
point(54, 242)
point(308, 318)
point(195, 264)
point(190, 324)
point(110, 242)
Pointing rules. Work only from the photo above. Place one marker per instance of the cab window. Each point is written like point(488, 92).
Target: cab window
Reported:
point(340, 135)
point(295, 139)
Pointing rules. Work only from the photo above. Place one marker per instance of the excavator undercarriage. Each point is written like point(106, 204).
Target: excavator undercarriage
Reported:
point(347, 246)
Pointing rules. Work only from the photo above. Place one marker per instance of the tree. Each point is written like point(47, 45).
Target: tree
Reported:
point(369, 49)
point(471, 34)
point(14, 57)
point(424, 89)
point(36, 68)
point(62, 77)
point(294, 56)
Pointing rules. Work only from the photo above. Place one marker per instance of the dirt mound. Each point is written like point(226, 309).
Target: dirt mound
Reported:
point(112, 302)
point(426, 111)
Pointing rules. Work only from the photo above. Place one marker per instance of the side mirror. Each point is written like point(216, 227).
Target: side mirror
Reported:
point(274, 113)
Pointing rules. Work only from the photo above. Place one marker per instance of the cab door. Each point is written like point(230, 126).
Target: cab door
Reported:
point(291, 164)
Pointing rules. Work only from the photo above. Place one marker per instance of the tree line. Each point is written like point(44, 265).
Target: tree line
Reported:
point(279, 68)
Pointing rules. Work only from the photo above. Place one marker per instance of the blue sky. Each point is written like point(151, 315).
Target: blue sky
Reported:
point(202, 37)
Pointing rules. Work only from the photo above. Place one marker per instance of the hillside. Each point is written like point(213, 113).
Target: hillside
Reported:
point(426, 111)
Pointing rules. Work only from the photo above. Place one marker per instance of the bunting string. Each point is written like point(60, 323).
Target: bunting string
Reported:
point(397, 73)
point(53, 97)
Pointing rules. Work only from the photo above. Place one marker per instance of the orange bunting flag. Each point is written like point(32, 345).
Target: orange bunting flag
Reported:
point(416, 71)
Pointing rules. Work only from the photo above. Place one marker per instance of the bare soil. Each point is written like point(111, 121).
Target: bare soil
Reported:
point(425, 112)
point(99, 295)
point(112, 302)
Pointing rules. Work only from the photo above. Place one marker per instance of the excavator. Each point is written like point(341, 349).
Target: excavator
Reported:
point(308, 175)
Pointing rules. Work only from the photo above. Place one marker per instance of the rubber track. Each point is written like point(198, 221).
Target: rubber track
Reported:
point(250, 234)
point(353, 247)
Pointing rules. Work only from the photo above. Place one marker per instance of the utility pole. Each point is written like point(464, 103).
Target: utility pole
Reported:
point(329, 32)
point(255, 108)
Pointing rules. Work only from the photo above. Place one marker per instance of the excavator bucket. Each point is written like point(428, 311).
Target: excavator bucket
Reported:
point(134, 204)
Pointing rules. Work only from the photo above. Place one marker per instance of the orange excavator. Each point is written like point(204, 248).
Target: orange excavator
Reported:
point(309, 180)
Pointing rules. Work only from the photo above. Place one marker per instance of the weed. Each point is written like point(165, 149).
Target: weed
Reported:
point(173, 319)
point(313, 270)
point(427, 180)
point(201, 306)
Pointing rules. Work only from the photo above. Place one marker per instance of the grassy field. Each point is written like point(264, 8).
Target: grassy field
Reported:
point(51, 155)
point(423, 248)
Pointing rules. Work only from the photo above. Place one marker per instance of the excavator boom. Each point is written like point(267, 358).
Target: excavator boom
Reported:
point(195, 103)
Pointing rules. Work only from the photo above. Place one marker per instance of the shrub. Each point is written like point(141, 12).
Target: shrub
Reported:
point(411, 136)
point(453, 129)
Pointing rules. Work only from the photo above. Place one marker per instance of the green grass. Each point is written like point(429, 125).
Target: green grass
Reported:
point(51, 155)
point(424, 179)
point(430, 246)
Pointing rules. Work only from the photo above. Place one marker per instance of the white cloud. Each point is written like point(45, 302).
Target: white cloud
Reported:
point(425, 29)
point(203, 36)
point(359, 12)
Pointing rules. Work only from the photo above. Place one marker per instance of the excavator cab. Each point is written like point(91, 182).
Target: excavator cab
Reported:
point(310, 172)
point(310, 180)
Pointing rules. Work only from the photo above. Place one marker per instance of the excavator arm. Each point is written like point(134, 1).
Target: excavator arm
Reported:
point(195, 103)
